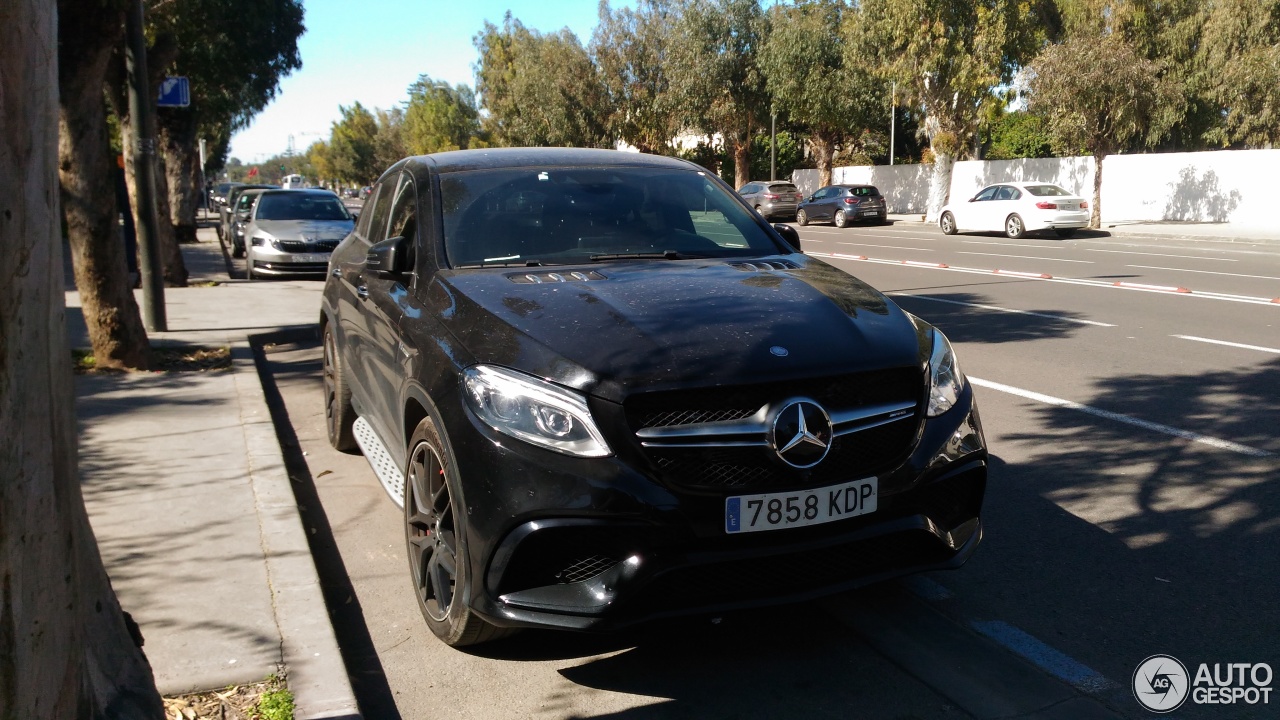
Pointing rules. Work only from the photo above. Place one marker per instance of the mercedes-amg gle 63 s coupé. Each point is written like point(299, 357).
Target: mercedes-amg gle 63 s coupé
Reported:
point(605, 391)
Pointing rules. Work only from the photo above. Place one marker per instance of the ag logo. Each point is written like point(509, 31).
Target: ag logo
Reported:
point(1161, 683)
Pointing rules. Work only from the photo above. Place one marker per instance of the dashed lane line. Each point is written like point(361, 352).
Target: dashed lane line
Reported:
point(1242, 346)
point(1205, 272)
point(1122, 418)
point(997, 308)
point(1026, 257)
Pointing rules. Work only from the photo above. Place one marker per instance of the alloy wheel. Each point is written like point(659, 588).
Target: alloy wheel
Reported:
point(433, 540)
point(331, 409)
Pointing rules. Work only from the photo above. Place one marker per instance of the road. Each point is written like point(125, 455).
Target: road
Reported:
point(1133, 510)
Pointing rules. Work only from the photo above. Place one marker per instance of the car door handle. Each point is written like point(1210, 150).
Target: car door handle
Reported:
point(363, 292)
point(336, 273)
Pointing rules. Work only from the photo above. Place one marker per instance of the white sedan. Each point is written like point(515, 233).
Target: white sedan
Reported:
point(1017, 209)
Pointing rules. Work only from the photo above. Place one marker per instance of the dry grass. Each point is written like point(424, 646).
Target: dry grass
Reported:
point(266, 700)
point(166, 359)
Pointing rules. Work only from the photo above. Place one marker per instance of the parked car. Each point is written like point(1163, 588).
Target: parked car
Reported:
point(1017, 209)
point(604, 391)
point(842, 205)
point(240, 217)
point(772, 199)
point(219, 192)
point(225, 209)
point(294, 232)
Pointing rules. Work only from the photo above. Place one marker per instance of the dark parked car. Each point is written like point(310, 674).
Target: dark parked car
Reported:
point(225, 214)
point(218, 194)
point(775, 199)
point(842, 205)
point(604, 392)
point(240, 217)
point(294, 232)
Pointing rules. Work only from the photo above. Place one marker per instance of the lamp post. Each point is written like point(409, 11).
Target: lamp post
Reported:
point(893, 111)
point(773, 146)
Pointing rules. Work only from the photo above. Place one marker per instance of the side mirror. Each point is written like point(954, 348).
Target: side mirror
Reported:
point(975, 197)
point(389, 258)
point(355, 215)
point(789, 234)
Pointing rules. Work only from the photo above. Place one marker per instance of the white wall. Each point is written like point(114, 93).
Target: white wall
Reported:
point(1239, 187)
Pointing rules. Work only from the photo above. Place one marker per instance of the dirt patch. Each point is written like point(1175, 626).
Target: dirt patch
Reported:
point(165, 358)
point(267, 700)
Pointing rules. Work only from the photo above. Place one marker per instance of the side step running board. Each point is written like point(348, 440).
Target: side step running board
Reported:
point(380, 460)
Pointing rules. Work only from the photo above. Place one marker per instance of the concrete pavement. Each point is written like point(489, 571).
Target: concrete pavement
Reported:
point(192, 506)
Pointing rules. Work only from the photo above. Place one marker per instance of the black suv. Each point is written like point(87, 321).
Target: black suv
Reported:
point(605, 391)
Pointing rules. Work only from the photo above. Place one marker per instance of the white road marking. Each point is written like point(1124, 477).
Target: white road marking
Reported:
point(1204, 272)
point(892, 247)
point(1025, 257)
point(1259, 348)
point(1038, 247)
point(1118, 417)
point(1185, 257)
point(997, 308)
point(1046, 657)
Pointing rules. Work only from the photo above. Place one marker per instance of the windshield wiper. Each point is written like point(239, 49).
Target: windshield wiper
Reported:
point(664, 255)
point(502, 262)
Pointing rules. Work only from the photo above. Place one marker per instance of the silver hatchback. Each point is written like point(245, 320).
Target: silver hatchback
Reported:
point(294, 231)
point(772, 199)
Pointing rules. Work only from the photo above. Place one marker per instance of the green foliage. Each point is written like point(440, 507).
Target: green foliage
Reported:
point(275, 705)
point(1098, 94)
point(1019, 134)
point(539, 89)
point(439, 117)
point(353, 146)
point(790, 155)
point(629, 47)
point(1237, 71)
point(804, 63)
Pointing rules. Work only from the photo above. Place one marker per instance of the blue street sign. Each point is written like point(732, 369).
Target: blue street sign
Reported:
point(174, 92)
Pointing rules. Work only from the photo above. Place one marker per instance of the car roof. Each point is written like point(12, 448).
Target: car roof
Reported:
point(298, 191)
point(501, 158)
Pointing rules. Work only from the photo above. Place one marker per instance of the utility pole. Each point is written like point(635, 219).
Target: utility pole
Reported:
point(773, 146)
point(144, 169)
point(893, 118)
point(204, 191)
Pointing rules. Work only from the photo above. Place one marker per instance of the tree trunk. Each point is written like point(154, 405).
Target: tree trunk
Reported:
point(181, 168)
point(86, 170)
point(1095, 215)
point(823, 146)
point(66, 649)
point(939, 184)
point(741, 161)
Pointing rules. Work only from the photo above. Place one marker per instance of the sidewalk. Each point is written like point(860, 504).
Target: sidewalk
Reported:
point(188, 495)
point(1209, 232)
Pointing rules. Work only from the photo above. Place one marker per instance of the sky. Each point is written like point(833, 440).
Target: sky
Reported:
point(372, 50)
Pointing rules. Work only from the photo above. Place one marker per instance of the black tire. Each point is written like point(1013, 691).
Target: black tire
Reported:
point(802, 217)
point(1014, 228)
point(948, 224)
point(339, 415)
point(840, 219)
point(436, 540)
point(1064, 232)
point(237, 249)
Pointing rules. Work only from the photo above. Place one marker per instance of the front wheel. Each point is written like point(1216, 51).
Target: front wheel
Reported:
point(1013, 227)
point(948, 223)
point(840, 220)
point(802, 217)
point(237, 249)
point(436, 536)
point(339, 415)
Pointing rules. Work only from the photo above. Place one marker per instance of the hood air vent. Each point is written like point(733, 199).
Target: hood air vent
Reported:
point(764, 265)
point(537, 278)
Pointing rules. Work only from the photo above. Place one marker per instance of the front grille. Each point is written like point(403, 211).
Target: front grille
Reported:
point(791, 573)
point(298, 246)
point(854, 455)
point(585, 568)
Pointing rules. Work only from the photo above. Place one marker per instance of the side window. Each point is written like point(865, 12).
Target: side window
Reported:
point(377, 228)
point(404, 213)
point(746, 189)
point(1004, 193)
point(987, 194)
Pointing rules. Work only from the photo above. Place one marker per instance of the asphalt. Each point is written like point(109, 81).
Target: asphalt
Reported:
point(192, 505)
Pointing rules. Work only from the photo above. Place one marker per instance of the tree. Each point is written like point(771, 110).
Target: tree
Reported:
point(318, 155)
point(389, 145)
point(352, 145)
point(1020, 134)
point(804, 66)
point(66, 650)
point(630, 47)
point(439, 117)
point(539, 89)
point(715, 75)
point(1238, 69)
point(946, 56)
point(1096, 93)
point(88, 33)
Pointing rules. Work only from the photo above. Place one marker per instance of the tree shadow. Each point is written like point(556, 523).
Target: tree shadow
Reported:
point(1200, 199)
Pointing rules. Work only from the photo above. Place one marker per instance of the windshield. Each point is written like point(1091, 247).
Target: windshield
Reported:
point(575, 215)
point(1046, 190)
point(300, 206)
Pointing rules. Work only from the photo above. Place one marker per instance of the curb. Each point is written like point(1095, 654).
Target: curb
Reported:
point(317, 676)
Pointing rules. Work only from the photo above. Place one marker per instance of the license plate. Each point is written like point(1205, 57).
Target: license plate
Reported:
point(775, 511)
point(311, 258)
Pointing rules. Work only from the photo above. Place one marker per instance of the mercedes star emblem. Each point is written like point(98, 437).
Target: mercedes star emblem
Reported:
point(801, 433)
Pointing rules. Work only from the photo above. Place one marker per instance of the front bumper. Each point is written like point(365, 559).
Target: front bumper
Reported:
point(597, 545)
point(268, 260)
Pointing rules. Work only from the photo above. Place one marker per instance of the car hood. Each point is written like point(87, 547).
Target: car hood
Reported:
point(305, 229)
point(622, 327)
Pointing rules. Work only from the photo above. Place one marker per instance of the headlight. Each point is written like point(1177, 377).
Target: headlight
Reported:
point(945, 379)
point(262, 238)
point(534, 410)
